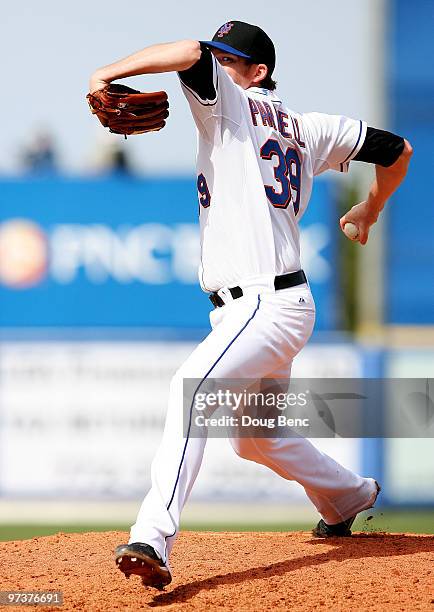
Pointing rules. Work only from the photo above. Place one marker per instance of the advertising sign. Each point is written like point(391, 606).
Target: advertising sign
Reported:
point(83, 420)
point(123, 253)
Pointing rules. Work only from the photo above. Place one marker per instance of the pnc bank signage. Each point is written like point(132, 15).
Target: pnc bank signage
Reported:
point(149, 253)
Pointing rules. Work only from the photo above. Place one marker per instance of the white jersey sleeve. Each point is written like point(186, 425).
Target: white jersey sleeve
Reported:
point(333, 140)
point(214, 99)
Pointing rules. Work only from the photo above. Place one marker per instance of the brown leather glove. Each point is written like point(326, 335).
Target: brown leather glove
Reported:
point(127, 111)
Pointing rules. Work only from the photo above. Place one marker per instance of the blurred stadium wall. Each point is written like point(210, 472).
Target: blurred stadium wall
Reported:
point(99, 302)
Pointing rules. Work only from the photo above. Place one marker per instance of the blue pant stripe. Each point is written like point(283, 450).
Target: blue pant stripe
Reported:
point(194, 395)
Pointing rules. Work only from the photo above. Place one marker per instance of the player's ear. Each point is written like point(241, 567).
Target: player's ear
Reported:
point(260, 73)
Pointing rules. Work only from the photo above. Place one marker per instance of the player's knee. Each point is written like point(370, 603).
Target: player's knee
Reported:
point(186, 383)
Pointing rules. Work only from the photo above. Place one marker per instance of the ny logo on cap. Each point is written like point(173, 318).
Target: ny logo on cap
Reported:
point(225, 29)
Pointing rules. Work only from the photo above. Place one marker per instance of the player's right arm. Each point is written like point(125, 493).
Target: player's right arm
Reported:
point(391, 158)
point(167, 57)
point(334, 141)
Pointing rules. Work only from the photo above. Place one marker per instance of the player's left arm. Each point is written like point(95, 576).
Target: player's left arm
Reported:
point(391, 155)
point(166, 57)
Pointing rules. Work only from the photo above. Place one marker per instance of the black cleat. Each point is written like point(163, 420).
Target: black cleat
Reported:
point(340, 530)
point(142, 560)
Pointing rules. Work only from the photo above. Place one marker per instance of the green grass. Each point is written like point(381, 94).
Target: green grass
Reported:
point(416, 521)
point(14, 531)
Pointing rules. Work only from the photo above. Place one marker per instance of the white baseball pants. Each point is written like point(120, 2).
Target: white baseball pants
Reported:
point(253, 337)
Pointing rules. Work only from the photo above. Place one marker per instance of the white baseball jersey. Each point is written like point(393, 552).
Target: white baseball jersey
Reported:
point(256, 162)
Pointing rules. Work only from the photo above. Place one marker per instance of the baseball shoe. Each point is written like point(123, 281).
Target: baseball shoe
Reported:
point(141, 559)
point(343, 529)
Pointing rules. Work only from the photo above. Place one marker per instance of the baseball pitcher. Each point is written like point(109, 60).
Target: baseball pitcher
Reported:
point(256, 162)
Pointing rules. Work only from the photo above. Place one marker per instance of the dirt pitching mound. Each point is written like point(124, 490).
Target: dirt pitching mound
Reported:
point(232, 571)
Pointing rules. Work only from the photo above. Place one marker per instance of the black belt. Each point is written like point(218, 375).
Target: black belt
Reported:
point(280, 282)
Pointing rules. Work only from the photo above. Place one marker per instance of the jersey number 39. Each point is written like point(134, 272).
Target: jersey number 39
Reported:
point(287, 174)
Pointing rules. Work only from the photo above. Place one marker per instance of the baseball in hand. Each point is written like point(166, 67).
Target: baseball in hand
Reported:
point(351, 231)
